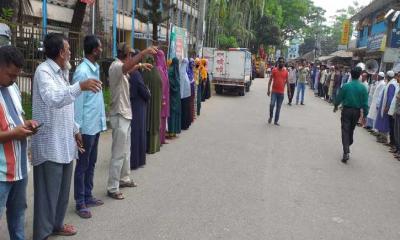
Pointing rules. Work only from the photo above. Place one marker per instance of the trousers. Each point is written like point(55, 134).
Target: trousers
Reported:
point(349, 119)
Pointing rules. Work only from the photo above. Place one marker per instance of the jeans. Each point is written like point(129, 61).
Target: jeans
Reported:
point(300, 91)
point(84, 169)
point(292, 87)
point(13, 197)
point(276, 98)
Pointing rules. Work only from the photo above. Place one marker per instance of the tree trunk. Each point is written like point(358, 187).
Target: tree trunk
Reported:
point(155, 32)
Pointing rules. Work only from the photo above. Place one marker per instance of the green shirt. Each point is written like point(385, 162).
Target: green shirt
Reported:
point(353, 95)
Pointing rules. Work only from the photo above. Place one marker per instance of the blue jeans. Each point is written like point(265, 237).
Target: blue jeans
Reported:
point(276, 98)
point(300, 90)
point(84, 169)
point(13, 197)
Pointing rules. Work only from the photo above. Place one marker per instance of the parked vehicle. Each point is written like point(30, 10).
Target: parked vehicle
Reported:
point(232, 70)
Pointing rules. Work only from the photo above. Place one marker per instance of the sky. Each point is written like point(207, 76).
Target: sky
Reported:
point(332, 5)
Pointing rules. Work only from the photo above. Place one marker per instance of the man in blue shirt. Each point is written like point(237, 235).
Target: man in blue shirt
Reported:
point(91, 118)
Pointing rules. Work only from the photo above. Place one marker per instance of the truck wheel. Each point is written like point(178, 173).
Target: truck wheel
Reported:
point(242, 91)
point(218, 89)
point(248, 87)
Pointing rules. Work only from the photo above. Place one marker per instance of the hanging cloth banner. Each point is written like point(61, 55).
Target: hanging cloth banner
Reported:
point(344, 40)
point(88, 2)
point(178, 43)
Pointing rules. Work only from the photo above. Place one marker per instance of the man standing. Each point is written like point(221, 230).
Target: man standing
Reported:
point(120, 118)
point(353, 97)
point(91, 118)
point(292, 83)
point(278, 79)
point(13, 133)
point(55, 145)
point(301, 84)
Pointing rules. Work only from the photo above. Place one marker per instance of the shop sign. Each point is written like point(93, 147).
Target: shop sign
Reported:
point(376, 42)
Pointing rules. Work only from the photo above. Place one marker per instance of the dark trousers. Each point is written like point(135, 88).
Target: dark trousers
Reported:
point(397, 131)
point(84, 169)
point(276, 98)
point(320, 90)
point(51, 182)
point(391, 132)
point(349, 119)
point(292, 87)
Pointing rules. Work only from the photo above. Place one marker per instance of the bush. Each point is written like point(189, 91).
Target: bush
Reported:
point(227, 42)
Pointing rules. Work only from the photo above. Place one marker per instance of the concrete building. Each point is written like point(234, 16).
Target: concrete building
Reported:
point(378, 38)
point(188, 14)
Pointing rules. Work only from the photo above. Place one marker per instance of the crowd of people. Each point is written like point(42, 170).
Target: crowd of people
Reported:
point(152, 101)
point(378, 106)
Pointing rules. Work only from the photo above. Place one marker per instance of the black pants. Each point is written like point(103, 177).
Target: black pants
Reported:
point(320, 89)
point(391, 132)
point(291, 89)
point(349, 119)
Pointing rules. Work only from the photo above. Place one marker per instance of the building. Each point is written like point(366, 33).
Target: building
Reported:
point(99, 18)
point(378, 33)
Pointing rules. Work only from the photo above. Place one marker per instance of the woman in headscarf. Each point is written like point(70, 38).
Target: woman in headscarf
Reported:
point(198, 85)
point(185, 94)
point(174, 120)
point(204, 78)
point(162, 68)
point(139, 96)
point(152, 79)
point(192, 85)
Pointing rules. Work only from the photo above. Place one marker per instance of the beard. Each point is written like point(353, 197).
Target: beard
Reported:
point(68, 65)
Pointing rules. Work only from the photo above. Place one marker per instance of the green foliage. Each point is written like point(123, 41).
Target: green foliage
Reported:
point(227, 42)
point(6, 14)
point(27, 105)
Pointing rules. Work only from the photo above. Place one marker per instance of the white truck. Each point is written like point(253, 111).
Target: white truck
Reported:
point(232, 70)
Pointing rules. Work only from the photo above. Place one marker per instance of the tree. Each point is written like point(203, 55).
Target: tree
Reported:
point(266, 32)
point(156, 12)
point(19, 9)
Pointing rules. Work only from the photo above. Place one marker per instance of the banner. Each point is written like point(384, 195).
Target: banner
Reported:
point(344, 40)
point(178, 45)
point(88, 2)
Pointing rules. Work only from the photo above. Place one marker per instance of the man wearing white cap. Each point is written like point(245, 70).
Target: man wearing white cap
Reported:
point(375, 95)
point(383, 120)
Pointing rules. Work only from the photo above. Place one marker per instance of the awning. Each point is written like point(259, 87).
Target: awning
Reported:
point(54, 12)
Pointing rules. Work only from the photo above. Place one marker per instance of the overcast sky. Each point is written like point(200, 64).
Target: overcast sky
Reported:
point(332, 5)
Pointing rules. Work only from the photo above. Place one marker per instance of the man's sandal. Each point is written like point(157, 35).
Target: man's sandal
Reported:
point(66, 230)
point(130, 183)
point(116, 195)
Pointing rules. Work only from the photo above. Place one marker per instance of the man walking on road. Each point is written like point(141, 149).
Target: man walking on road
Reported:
point(353, 97)
point(292, 83)
point(279, 77)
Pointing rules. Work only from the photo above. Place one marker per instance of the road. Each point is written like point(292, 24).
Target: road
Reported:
point(233, 176)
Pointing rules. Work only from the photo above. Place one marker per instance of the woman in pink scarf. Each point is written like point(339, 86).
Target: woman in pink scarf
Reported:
point(162, 68)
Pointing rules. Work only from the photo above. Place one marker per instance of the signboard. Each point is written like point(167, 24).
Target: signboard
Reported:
point(344, 40)
point(376, 42)
point(395, 41)
point(391, 55)
point(220, 63)
point(293, 51)
point(178, 43)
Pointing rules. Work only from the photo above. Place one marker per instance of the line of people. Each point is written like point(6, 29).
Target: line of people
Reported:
point(148, 105)
point(378, 102)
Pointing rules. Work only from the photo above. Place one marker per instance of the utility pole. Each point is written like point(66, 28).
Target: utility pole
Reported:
point(200, 26)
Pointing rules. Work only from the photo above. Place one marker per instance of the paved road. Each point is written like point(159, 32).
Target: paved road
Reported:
point(234, 177)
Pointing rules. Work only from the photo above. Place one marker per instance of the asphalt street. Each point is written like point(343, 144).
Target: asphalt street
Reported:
point(232, 176)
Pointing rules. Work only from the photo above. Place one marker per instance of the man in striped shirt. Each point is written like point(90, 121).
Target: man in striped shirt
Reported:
point(13, 145)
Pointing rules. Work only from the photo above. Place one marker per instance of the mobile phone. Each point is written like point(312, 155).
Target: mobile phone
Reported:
point(37, 127)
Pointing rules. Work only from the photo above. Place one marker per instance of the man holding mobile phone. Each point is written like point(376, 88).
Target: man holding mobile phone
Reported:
point(13, 133)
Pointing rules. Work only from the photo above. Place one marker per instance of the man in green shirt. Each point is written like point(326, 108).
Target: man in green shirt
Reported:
point(354, 98)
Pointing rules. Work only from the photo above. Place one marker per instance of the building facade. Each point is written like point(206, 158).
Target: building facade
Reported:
point(378, 33)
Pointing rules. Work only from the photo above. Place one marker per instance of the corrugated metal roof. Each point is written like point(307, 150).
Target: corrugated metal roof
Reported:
point(374, 6)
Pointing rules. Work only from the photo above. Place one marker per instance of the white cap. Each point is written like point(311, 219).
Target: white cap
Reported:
point(381, 74)
point(390, 73)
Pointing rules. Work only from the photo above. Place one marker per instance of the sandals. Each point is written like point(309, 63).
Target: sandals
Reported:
point(66, 230)
point(116, 195)
point(130, 183)
point(83, 211)
point(94, 202)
